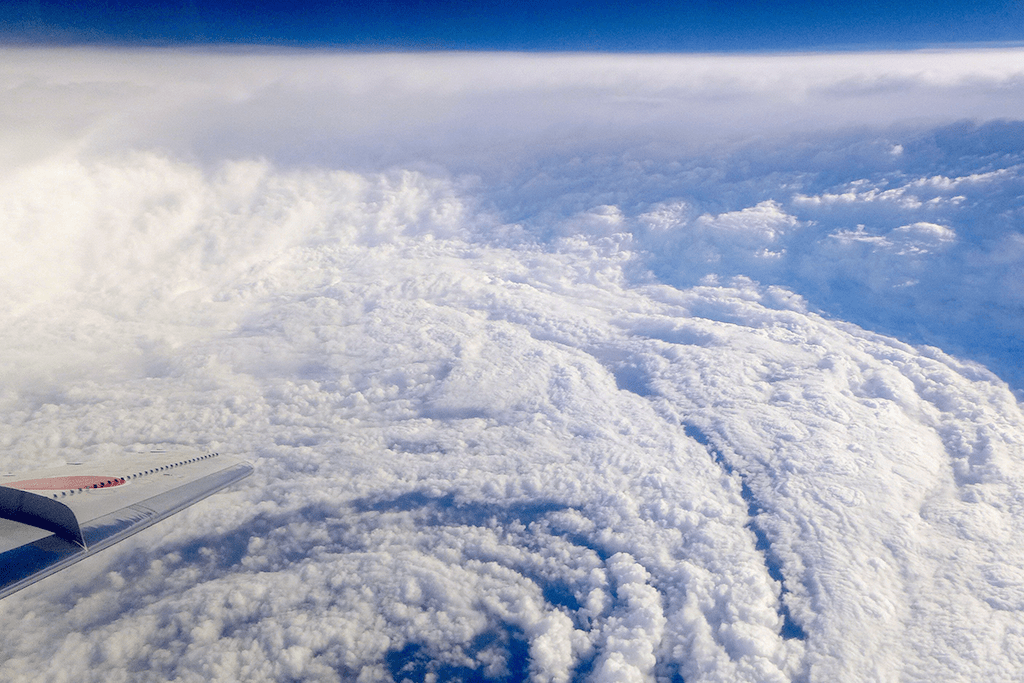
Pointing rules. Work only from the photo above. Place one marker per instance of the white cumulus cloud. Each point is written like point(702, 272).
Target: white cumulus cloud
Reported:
point(552, 368)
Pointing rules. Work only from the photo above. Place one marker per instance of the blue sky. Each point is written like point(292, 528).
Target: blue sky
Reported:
point(702, 25)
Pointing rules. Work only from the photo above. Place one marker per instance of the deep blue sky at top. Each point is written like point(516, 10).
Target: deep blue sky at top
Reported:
point(539, 25)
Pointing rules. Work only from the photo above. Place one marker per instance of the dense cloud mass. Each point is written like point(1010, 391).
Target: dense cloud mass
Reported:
point(551, 368)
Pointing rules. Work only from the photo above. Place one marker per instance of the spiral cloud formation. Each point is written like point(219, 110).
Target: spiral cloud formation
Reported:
point(552, 368)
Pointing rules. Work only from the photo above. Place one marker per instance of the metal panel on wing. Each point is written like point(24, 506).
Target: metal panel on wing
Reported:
point(51, 519)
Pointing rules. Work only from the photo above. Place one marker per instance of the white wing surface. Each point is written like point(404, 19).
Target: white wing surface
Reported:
point(50, 519)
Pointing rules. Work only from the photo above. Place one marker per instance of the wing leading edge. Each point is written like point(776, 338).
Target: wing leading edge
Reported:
point(51, 519)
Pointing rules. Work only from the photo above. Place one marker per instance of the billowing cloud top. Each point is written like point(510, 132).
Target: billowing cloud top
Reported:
point(546, 363)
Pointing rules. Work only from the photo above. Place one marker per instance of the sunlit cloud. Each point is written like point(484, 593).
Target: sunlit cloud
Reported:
point(576, 367)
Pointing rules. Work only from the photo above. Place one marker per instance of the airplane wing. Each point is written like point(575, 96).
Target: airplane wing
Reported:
point(50, 519)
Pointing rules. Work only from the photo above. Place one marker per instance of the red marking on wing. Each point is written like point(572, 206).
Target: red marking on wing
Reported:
point(63, 483)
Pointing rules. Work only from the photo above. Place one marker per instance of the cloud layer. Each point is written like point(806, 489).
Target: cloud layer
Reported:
point(577, 416)
point(477, 112)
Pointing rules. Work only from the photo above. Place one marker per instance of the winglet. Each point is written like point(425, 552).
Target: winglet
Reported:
point(41, 512)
